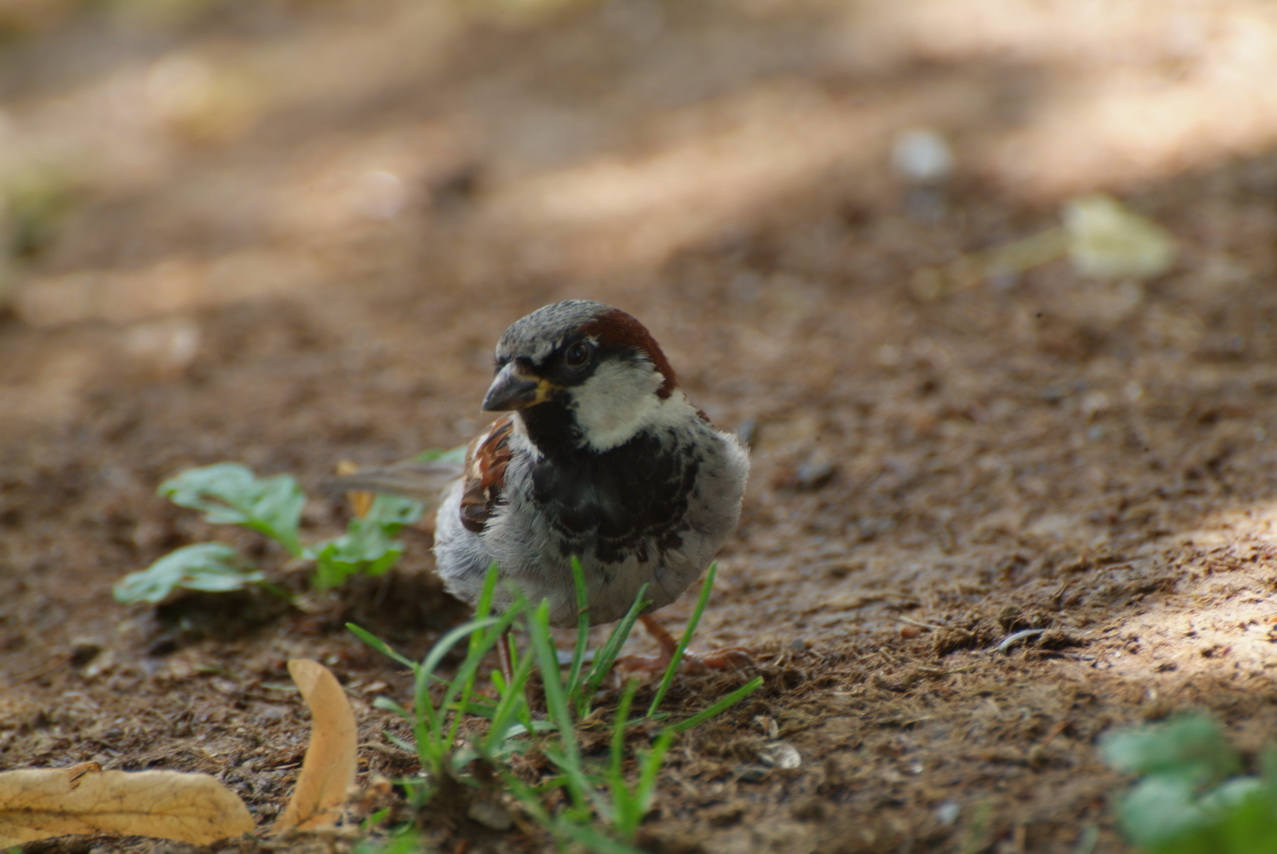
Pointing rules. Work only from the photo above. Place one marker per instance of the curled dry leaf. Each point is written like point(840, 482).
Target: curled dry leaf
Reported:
point(43, 803)
point(328, 771)
point(1107, 241)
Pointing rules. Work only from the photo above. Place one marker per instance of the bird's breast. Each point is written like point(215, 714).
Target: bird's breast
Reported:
point(629, 501)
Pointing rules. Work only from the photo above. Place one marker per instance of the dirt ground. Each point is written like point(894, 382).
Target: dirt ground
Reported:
point(289, 233)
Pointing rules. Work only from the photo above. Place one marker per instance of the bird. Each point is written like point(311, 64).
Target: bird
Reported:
point(600, 457)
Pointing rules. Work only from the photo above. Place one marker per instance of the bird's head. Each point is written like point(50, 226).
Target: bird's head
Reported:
point(582, 375)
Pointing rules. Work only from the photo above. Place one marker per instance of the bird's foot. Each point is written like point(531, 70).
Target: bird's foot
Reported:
point(654, 666)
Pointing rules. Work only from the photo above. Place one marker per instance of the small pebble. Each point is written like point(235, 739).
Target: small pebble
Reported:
point(947, 813)
point(781, 755)
point(922, 156)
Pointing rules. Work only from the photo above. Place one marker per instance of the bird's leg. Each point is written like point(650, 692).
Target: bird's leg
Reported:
point(720, 659)
point(663, 638)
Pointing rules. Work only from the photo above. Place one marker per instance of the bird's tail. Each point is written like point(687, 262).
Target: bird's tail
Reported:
point(420, 481)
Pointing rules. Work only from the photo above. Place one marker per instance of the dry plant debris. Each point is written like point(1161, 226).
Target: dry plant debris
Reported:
point(40, 804)
point(44, 803)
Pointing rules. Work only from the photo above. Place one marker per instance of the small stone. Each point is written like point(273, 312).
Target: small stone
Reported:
point(781, 755)
point(922, 156)
point(947, 813)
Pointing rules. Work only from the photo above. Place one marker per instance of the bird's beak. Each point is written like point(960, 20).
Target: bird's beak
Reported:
point(514, 387)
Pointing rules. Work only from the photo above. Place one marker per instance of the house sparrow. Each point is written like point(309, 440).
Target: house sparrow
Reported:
point(601, 456)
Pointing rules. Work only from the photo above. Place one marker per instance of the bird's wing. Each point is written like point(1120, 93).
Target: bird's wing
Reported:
point(486, 462)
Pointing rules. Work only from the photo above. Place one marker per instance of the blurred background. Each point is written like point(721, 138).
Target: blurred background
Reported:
point(162, 157)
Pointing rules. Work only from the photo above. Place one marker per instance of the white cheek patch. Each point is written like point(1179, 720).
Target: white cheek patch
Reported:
point(620, 400)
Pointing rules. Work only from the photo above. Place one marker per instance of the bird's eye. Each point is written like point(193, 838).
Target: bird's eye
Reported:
point(578, 354)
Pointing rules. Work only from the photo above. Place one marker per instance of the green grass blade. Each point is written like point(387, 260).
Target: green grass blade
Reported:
point(582, 631)
point(400, 742)
point(445, 644)
point(589, 837)
point(556, 704)
point(380, 645)
point(623, 805)
point(649, 766)
point(461, 687)
point(389, 705)
point(513, 702)
point(677, 658)
point(718, 707)
point(621, 723)
point(606, 655)
point(483, 605)
point(433, 743)
point(527, 796)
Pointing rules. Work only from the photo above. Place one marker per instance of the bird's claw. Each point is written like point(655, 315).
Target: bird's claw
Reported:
point(653, 667)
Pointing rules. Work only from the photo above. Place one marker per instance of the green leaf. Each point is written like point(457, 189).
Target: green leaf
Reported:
point(1246, 811)
point(392, 512)
point(363, 550)
point(1161, 809)
point(1189, 802)
point(230, 494)
point(1190, 747)
point(209, 567)
point(367, 547)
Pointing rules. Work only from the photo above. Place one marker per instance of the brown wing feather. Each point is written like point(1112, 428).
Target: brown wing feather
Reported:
point(486, 462)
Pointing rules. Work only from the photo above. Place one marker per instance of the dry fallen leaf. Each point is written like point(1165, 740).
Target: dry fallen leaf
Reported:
point(43, 803)
point(1107, 241)
point(328, 771)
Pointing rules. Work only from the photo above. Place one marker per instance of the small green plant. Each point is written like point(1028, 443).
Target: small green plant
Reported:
point(1192, 798)
point(406, 841)
point(210, 567)
point(231, 494)
point(596, 804)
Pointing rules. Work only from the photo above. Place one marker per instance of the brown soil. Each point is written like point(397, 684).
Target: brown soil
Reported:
point(293, 232)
